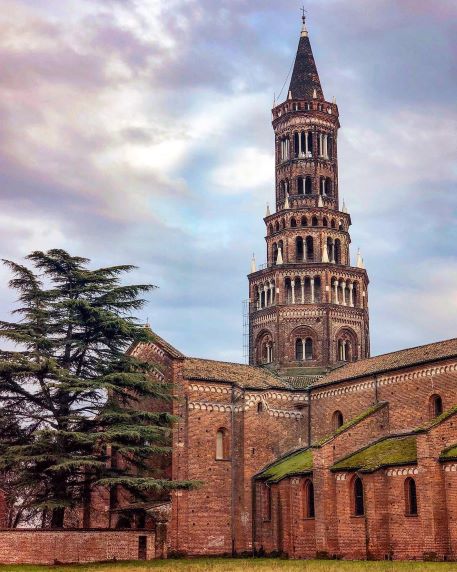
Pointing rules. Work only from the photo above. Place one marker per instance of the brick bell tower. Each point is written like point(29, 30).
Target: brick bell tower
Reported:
point(308, 304)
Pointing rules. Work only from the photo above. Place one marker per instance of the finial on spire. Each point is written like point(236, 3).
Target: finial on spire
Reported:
point(344, 209)
point(359, 261)
point(279, 259)
point(286, 202)
point(268, 210)
point(253, 264)
point(304, 31)
point(320, 202)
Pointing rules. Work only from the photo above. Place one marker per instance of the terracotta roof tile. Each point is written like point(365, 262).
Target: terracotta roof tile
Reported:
point(392, 361)
point(240, 374)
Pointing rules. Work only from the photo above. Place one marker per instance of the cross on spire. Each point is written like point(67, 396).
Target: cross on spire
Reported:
point(304, 12)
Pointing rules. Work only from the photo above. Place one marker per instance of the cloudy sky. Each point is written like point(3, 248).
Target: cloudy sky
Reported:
point(138, 131)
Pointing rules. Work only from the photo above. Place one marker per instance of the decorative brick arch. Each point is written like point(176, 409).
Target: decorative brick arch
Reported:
point(306, 338)
point(264, 347)
point(346, 345)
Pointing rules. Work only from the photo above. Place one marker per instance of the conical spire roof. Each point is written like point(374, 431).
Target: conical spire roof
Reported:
point(305, 82)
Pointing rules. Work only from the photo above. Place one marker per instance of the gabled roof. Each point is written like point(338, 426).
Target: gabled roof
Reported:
point(168, 348)
point(392, 361)
point(387, 452)
point(305, 78)
point(243, 375)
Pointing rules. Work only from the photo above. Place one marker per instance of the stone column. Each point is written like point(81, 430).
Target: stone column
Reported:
point(306, 143)
point(335, 284)
point(323, 186)
point(299, 144)
point(351, 294)
point(312, 290)
point(302, 290)
point(292, 284)
point(326, 146)
point(343, 288)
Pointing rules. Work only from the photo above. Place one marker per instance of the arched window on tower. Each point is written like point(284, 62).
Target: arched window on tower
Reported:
point(308, 349)
point(328, 187)
point(435, 405)
point(299, 349)
point(324, 221)
point(314, 221)
point(358, 500)
point(270, 229)
point(300, 185)
point(337, 420)
point(299, 251)
point(304, 221)
point(308, 186)
point(293, 222)
point(222, 449)
point(275, 253)
point(338, 251)
point(309, 249)
point(410, 497)
point(276, 226)
point(310, 137)
point(308, 499)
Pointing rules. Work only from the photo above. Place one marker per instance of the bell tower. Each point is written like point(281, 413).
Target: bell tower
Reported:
point(308, 304)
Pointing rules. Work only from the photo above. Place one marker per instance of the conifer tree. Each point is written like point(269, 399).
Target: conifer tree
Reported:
point(72, 388)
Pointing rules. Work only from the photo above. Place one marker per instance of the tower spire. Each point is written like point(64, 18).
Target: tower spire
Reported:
point(305, 78)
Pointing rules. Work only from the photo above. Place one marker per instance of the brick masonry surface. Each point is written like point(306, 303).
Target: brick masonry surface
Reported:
point(67, 546)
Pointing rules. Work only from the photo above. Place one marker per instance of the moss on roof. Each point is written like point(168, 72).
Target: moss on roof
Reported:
point(437, 420)
point(390, 451)
point(449, 454)
point(351, 422)
point(298, 463)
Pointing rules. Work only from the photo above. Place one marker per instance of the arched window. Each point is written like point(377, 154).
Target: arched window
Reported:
point(304, 221)
point(299, 349)
point(300, 185)
point(337, 420)
point(328, 187)
point(309, 249)
point(275, 252)
point(259, 407)
point(324, 222)
point(222, 450)
point(410, 497)
point(338, 251)
point(314, 221)
point(308, 186)
point(333, 224)
point(299, 252)
point(308, 349)
point(346, 346)
point(436, 405)
point(359, 508)
point(293, 223)
point(276, 226)
point(308, 499)
point(283, 223)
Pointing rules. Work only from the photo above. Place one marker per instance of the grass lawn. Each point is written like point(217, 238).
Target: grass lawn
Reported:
point(233, 565)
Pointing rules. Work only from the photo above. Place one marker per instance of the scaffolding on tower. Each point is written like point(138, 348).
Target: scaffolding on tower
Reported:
point(246, 331)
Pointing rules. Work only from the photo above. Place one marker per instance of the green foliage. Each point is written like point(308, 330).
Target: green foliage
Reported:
point(69, 385)
point(387, 452)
